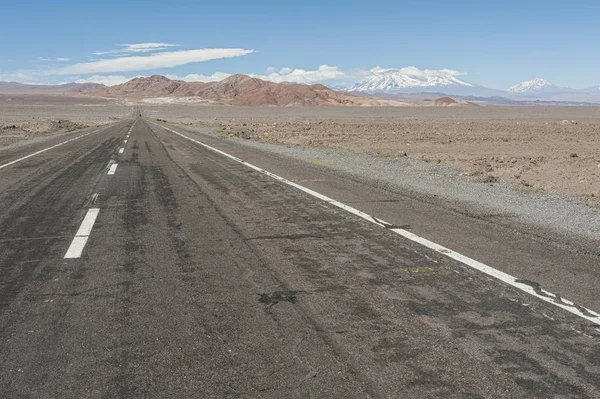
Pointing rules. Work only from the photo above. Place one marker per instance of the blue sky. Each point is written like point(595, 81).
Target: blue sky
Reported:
point(495, 43)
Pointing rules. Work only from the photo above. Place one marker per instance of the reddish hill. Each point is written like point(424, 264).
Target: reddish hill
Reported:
point(234, 90)
point(153, 86)
point(447, 101)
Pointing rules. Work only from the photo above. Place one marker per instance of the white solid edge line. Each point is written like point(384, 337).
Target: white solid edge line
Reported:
point(81, 237)
point(113, 169)
point(50, 148)
point(539, 293)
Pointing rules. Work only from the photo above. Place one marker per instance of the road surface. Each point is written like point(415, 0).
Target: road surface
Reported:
point(136, 262)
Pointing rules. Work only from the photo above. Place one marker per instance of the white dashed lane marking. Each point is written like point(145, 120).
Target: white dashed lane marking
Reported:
point(522, 285)
point(112, 169)
point(81, 237)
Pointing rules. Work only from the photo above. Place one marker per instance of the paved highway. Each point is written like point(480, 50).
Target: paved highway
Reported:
point(135, 261)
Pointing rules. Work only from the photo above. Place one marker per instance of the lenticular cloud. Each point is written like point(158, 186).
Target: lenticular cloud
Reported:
point(153, 61)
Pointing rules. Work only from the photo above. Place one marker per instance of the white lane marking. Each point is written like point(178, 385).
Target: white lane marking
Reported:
point(113, 169)
point(125, 141)
point(130, 129)
point(88, 222)
point(76, 248)
point(121, 150)
point(528, 287)
point(95, 198)
point(82, 235)
point(50, 148)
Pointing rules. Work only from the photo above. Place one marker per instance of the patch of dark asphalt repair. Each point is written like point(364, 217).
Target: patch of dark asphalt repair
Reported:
point(273, 298)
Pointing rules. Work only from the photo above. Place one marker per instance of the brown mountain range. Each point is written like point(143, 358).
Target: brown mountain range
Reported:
point(235, 90)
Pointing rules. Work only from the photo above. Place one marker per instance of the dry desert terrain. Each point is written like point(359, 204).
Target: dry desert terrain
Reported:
point(537, 148)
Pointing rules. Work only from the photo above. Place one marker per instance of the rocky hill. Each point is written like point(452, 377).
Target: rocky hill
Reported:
point(234, 90)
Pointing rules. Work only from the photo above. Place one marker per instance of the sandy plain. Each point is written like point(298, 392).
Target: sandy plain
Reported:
point(537, 148)
point(27, 117)
point(553, 149)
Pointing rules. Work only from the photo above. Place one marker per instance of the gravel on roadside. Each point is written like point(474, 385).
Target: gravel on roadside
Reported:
point(440, 183)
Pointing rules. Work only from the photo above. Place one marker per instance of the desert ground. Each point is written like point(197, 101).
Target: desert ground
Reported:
point(537, 148)
point(27, 117)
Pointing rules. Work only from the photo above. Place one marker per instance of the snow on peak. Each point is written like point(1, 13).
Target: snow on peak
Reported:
point(536, 84)
point(396, 79)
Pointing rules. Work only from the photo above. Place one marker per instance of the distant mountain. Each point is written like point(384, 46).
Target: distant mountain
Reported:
point(390, 80)
point(538, 86)
point(153, 86)
point(398, 80)
point(592, 90)
point(234, 90)
point(399, 83)
point(447, 102)
point(528, 86)
point(20, 88)
point(413, 80)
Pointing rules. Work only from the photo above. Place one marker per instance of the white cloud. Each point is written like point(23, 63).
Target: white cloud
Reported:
point(113, 80)
point(20, 77)
point(323, 73)
point(152, 61)
point(414, 71)
point(59, 59)
point(193, 77)
point(138, 48)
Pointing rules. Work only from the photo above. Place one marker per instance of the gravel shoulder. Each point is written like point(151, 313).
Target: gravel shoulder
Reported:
point(540, 212)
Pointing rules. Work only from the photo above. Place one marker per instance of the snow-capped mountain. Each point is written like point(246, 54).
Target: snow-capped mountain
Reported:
point(396, 80)
point(538, 86)
point(526, 86)
point(414, 80)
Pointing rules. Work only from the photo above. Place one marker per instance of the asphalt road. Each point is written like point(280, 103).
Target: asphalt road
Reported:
point(202, 277)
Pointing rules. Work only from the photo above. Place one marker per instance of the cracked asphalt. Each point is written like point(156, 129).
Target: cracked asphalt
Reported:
point(204, 278)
